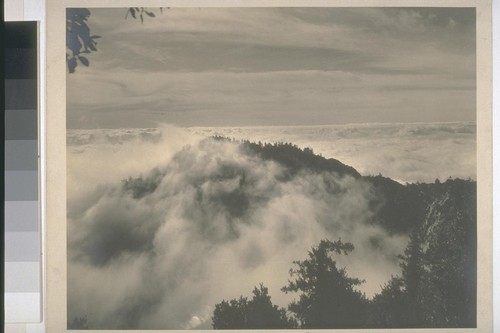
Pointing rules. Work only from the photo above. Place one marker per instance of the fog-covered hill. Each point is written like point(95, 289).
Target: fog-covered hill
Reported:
point(212, 218)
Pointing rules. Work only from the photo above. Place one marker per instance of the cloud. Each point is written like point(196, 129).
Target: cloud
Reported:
point(215, 222)
point(406, 152)
point(276, 66)
point(309, 97)
point(358, 40)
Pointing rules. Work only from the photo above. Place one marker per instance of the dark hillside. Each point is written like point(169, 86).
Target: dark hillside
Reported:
point(398, 208)
point(401, 208)
point(296, 159)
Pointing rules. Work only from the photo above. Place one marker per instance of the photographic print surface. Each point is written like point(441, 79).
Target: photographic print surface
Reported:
point(258, 168)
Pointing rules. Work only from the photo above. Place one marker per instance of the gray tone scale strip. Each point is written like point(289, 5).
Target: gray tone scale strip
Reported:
point(21, 94)
point(23, 307)
point(21, 185)
point(21, 63)
point(21, 124)
point(21, 155)
point(22, 277)
point(21, 216)
point(22, 246)
point(22, 280)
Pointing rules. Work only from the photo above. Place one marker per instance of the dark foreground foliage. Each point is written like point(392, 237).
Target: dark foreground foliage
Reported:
point(257, 313)
point(436, 290)
point(327, 295)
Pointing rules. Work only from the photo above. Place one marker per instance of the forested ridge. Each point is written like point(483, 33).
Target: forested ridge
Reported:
point(437, 286)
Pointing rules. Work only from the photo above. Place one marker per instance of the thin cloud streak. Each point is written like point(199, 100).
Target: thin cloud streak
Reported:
point(265, 98)
point(234, 65)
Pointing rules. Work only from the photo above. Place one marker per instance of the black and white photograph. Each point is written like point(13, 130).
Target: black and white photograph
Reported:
point(271, 168)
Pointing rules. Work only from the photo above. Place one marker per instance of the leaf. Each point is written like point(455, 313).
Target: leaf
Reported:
point(132, 12)
point(84, 12)
point(73, 43)
point(142, 19)
point(150, 14)
point(72, 65)
point(84, 61)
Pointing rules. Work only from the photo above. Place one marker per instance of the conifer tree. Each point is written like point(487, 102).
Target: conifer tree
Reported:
point(327, 295)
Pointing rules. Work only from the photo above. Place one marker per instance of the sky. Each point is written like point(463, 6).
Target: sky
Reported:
point(276, 67)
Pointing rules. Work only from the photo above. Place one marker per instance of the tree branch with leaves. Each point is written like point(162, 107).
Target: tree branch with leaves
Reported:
point(79, 40)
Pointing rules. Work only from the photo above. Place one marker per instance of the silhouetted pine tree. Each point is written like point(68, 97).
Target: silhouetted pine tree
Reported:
point(390, 308)
point(327, 296)
point(258, 313)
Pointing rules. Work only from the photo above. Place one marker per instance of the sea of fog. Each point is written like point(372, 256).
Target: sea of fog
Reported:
point(419, 152)
point(163, 260)
point(405, 152)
